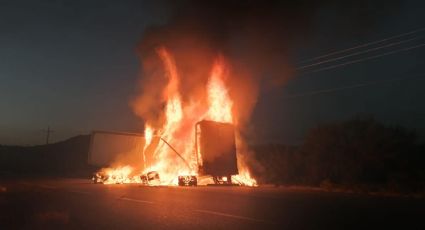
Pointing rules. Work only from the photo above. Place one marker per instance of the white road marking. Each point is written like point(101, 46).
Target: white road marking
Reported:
point(232, 216)
point(137, 201)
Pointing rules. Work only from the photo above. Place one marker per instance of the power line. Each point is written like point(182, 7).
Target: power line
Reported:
point(365, 59)
point(363, 45)
point(358, 61)
point(360, 85)
point(357, 53)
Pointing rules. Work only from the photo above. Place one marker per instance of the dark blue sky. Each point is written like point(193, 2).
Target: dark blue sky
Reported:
point(73, 65)
point(68, 64)
point(398, 102)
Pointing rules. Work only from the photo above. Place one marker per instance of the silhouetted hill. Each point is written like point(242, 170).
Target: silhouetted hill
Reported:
point(65, 158)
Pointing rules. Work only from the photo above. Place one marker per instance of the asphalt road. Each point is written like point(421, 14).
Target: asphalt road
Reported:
point(78, 204)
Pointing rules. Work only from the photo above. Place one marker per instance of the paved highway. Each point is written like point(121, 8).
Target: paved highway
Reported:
point(78, 204)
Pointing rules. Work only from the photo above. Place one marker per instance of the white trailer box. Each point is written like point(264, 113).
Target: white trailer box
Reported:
point(107, 148)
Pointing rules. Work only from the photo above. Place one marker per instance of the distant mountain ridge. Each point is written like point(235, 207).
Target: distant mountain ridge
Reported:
point(64, 158)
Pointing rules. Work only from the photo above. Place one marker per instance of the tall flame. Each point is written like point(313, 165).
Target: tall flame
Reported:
point(148, 139)
point(164, 159)
point(220, 104)
point(173, 109)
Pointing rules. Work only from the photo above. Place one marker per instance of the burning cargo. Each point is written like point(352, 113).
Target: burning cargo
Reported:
point(216, 150)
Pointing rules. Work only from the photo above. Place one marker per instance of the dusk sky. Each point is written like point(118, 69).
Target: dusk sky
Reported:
point(73, 66)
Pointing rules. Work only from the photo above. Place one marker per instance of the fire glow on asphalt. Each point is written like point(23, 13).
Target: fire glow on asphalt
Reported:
point(178, 130)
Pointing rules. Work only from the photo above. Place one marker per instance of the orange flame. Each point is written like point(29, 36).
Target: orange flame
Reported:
point(120, 175)
point(148, 136)
point(165, 161)
point(148, 139)
point(220, 104)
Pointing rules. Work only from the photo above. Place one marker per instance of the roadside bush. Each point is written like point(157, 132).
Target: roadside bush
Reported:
point(359, 154)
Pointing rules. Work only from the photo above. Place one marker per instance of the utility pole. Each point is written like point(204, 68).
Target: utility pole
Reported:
point(48, 131)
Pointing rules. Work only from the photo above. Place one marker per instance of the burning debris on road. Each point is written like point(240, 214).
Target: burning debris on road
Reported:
point(122, 176)
point(99, 178)
point(151, 178)
point(188, 181)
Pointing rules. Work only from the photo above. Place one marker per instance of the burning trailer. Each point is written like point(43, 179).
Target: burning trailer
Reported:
point(107, 147)
point(187, 141)
point(216, 150)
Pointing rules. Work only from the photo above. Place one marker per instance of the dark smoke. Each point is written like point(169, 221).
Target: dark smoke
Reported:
point(255, 37)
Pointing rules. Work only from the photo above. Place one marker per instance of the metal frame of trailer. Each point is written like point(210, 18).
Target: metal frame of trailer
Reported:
point(89, 155)
point(215, 149)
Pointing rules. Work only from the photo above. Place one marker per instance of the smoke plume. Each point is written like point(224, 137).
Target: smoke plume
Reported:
point(252, 36)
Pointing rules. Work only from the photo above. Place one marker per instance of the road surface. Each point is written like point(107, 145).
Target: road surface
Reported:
point(78, 204)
